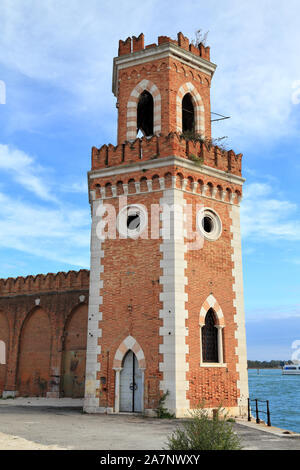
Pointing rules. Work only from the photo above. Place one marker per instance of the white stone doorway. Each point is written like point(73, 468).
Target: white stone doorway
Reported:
point(129, 366)
point(131, 378)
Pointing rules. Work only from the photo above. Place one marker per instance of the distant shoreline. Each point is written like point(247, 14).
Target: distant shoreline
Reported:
point(267, 364)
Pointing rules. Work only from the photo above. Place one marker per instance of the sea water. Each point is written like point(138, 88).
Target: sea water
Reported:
point(283, 393)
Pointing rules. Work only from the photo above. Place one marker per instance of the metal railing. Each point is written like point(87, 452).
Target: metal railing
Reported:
point(257, 410)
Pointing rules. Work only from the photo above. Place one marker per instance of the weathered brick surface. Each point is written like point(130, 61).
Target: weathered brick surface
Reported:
point(209, 271)
point(130, 281)
point(131, 305)
point(158, 147)
point(168, 75)
point(34, 355)
point(35, 311)
point(137, 44)
point(4, 336)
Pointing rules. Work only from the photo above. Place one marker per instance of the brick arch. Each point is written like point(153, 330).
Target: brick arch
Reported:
point(132, 108)
point(33, 371)
point(75, 320)
point(198, 107)
point(129, 344)
point(209, 303)
point(74, 352)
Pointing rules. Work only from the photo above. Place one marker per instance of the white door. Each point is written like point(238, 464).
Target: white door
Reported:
point(131, 385)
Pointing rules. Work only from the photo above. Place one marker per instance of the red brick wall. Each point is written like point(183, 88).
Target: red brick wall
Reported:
point(36, 333)
point(131, 292)
point(76, 329)
point(131, 305)
point(4, 336)
point(209, 271)
point(74, 353)
point(168, 75)
point(34, 355)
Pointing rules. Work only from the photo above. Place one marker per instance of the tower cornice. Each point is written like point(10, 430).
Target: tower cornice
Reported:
point(166, 162)
point(160, 52)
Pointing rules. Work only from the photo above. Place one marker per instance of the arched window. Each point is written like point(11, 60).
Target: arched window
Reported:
point(188, 115)
point(210, 338)
point(145, 114)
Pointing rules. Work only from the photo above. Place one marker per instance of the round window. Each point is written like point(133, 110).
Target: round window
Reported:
point(209, 224)
point(132, 221)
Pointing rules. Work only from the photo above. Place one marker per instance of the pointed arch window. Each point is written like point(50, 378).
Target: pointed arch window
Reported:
point(145, 114)
point(210, 338)
point(188, 114)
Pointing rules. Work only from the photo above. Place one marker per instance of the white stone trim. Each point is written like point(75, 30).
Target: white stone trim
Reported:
point(240, 333)
point(92, 384)
point(211, 302)
point(2, 352)
point(132, 108)
point(216, 220)
point(220, 343)
point(212, 364)
point(128, 344)
point(198, 108)
point(174, 314)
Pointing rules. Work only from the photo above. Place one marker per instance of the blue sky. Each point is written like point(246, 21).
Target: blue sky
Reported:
point(56, 62)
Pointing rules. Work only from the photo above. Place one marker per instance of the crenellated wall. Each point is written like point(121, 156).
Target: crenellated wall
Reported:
point(58, 282)
point(35, 323)
point(168, 71)
point(135, 44)
point(173, 144)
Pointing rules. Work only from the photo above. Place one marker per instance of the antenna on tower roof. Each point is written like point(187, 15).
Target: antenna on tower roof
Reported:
point(221, 117)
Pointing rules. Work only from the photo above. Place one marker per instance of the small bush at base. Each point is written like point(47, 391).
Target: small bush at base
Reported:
point(161, 411)
point(203, 433)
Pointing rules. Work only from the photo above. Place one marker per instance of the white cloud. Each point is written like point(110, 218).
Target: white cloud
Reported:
point(57, 231)
point(71, 45)
point(79, 187)
point(280, 312)
point(60, 234)
point(25, 170)
point(263, 217)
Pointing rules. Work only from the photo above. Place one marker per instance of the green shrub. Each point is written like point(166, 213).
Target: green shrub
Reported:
point(161, 411)
point(203, 433)
point(197, 160)
point(230, 420)
point(192, 135)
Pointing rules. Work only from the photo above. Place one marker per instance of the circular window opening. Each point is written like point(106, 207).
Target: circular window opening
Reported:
point(209, 224)
point(132, 221)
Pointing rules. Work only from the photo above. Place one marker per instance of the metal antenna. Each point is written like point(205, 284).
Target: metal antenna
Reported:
point(221, 118)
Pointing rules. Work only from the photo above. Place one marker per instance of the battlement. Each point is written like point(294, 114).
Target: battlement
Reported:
point(173, 144)
point(135, 44)
point(61, 281)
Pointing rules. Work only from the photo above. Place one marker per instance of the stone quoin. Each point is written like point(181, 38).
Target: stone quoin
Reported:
point(153, 317)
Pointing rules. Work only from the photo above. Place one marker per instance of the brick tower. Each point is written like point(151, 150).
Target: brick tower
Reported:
point(166, 311)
